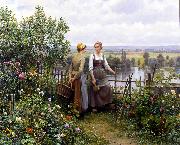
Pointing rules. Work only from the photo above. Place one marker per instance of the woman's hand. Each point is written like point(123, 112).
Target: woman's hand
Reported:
point(114, 73)
point(72, 80)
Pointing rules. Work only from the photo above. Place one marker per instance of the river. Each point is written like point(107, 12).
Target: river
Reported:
point(137, 75)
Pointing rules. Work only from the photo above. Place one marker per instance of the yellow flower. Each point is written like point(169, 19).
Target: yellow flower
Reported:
point(33, 73)
point(178, 116)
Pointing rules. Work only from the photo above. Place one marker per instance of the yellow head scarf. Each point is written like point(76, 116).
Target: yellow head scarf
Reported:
point(80, 46)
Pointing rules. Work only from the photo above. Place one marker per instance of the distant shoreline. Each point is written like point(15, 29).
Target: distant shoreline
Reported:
point(160, 49)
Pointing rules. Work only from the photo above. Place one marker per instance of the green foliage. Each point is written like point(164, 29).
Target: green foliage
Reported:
point(153, 111)
point(35, 120)
point(35, 38)
point(146, 58)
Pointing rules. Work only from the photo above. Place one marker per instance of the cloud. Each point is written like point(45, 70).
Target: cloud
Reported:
point(128, 6)
point(135, 22)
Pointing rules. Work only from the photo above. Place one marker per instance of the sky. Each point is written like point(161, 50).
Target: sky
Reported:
point(113, 22)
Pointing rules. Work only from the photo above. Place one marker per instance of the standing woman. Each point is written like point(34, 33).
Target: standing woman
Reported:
point(100, 90)
point(78, 79)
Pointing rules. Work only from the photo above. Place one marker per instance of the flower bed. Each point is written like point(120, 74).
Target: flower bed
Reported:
point(153, 112)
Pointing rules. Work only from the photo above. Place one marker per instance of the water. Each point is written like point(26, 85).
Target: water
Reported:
point(137, 75)
point(177, 70)
point(124, 75)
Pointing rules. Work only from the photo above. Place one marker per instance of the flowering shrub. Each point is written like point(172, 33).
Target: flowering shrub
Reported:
point(38, 122)
point(154, 111)
point(36, 119)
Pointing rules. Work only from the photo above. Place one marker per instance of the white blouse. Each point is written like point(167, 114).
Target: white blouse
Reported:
point(97, 57)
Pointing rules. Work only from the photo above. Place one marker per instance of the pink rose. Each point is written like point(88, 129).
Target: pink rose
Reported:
point(7, 62)
point(22, 76)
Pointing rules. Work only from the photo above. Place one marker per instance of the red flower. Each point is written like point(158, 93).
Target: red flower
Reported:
point(69, 117)
point(29, 130)
point(22, 76)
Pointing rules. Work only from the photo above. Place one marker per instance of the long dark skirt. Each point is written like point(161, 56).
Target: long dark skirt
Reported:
point(101, 97)
point(77, 94)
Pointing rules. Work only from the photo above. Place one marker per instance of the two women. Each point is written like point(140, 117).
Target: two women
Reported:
point(100, 93)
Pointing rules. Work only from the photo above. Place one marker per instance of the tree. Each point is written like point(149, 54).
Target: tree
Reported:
point(152, 63)
point(35, 38)
point(178, 61)
point(171, 62)
point(160, 60)
point(9, 33)
point(146, 58)
point(167, 60)
point(139, 62)
point(133, 61)
point(123, 57)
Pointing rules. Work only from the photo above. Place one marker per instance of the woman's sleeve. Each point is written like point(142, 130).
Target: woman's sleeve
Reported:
point(81, 68)
point(106, 63)
point(91, 62)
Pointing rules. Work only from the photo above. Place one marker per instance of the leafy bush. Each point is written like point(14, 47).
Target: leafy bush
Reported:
point(154, 111)
point(35, 38)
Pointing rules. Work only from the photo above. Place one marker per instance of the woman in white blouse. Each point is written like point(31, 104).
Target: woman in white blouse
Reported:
point(100, 90)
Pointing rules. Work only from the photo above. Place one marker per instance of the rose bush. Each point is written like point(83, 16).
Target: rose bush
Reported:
point(153, 111)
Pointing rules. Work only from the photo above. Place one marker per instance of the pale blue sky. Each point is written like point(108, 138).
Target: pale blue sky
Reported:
point(114, 22)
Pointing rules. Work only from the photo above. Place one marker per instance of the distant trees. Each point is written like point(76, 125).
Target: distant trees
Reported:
point(123, 63)
point(171, 62)
point(123, 56)
point(167, 60)
point(146, 58)
point(160, 60)
point(152, 63)
point(133, 61)
point(178, 61)
point(126, 62)
point(114, 61)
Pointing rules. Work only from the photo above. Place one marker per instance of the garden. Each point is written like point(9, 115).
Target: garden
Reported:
point(31, 111)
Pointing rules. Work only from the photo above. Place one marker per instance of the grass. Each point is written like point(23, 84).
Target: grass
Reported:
point(103, 124)
point(118, 132)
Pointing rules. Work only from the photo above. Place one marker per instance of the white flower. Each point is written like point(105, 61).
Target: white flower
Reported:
point(38, 89)
point(19, 91)
point(18, 119)
point(42, 114)
point(41, 93)
point(61, 115)
point(49, 99)
point(59, 107)
point(173, 107)
point(162, 101)
point(62, 135)
point(5, 113)
point(10, 121)
point(173, 92)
